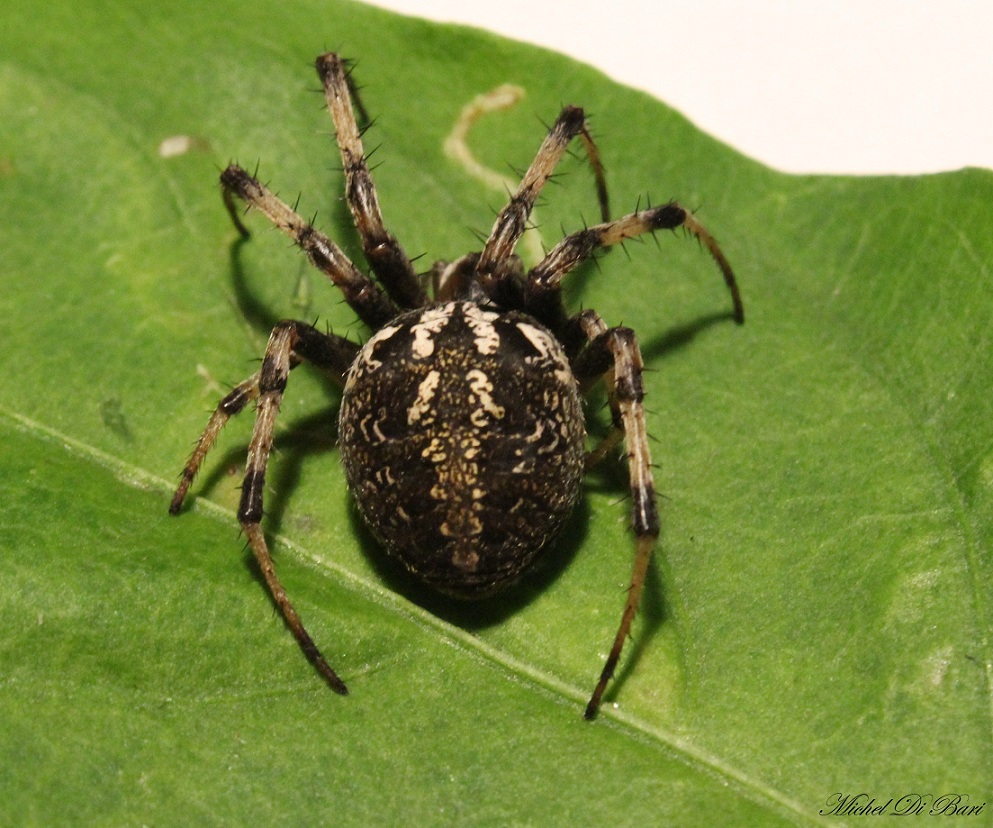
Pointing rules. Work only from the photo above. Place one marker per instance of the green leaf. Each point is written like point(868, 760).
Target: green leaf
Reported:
point(818, 617)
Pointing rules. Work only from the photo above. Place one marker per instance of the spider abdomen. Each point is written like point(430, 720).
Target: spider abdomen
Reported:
point(463, 441)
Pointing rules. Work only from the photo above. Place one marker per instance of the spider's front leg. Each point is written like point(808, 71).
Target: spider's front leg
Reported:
point(382, 250)
point(512, 221)
point(364, 296)
point(544, 282)
point(289, 344)
point(613, 355)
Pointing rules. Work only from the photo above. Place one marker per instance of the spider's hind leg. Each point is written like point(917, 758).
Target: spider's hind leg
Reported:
point(613, 354)
point(290, 344)
point(330, 353)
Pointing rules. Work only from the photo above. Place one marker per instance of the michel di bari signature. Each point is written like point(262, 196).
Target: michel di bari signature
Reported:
point(863, 804)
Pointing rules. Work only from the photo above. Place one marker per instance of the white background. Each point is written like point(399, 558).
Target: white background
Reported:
point(846, 86)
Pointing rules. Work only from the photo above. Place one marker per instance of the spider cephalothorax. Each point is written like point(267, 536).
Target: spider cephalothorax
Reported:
point(461, 426)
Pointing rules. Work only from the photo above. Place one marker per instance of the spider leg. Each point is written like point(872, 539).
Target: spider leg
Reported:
point(383, 252)
point(542, 291)
point(373, 306)
point(289, 344)
point(232, 404)
point(613, 354)
point(330, 353)
point(512, 221)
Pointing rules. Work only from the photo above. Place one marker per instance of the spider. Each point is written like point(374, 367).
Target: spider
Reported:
point(461, 426)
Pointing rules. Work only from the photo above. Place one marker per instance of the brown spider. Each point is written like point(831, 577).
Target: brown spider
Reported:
point(461, 428)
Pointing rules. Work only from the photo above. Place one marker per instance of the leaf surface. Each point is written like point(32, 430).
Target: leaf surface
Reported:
point(817, 619)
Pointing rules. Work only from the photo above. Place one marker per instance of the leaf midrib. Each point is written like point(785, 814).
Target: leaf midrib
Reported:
point(665, 740)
